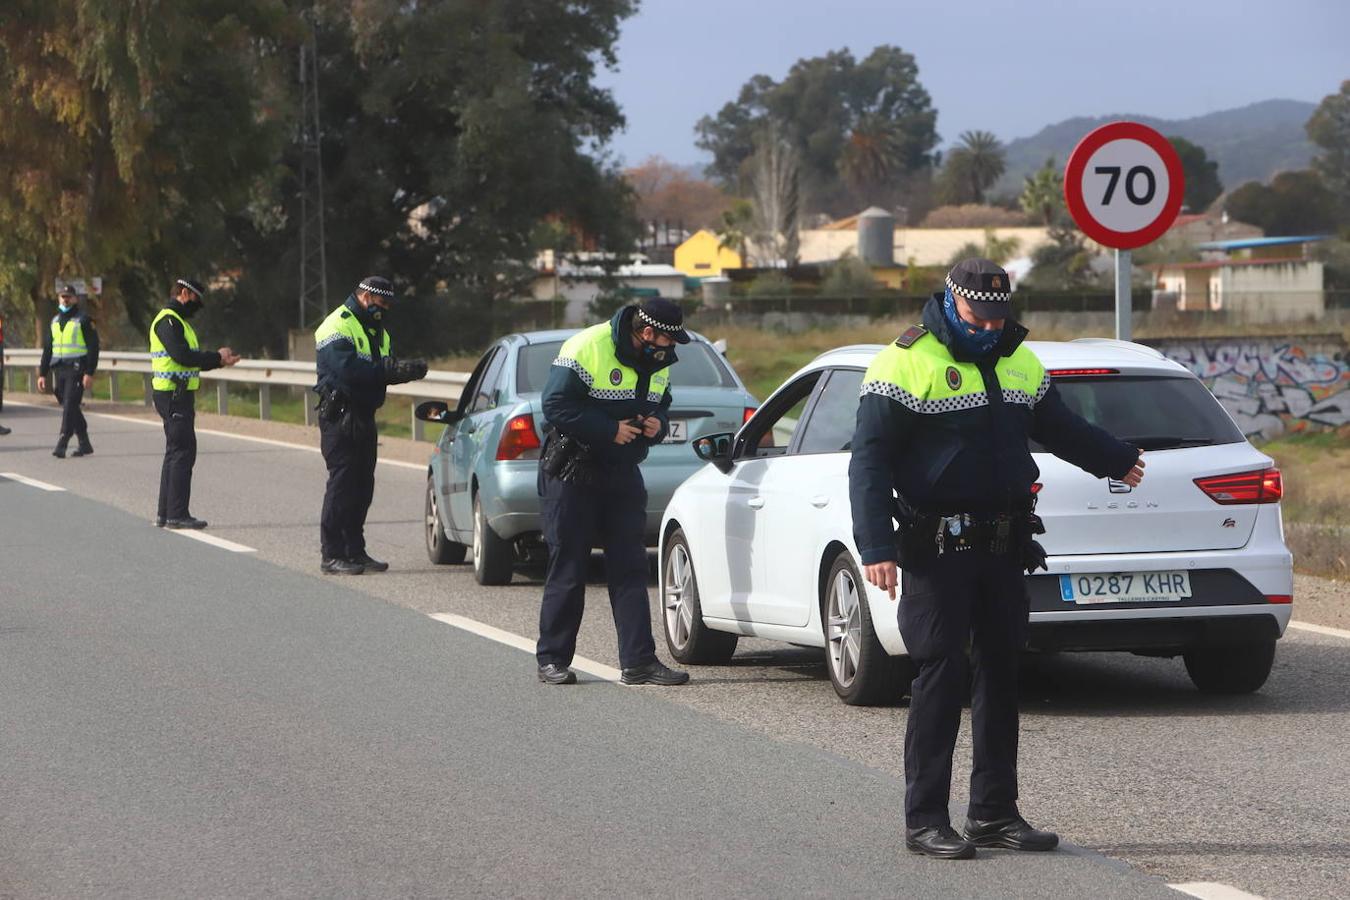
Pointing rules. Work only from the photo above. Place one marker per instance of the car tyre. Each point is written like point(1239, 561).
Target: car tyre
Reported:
point(862, 672)
point(492, 556)
point(1230, 669)
point(440, 549)
point(689, 640)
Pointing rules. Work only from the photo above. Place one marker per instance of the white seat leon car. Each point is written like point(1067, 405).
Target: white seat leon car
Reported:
point(1190, 563)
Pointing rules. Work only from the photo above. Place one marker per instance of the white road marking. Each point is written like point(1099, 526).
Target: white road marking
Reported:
point(212, 540)
point(580, 663)
point(31, 482)
point(1321, 629)
point(421, 467)
point(1213, 890)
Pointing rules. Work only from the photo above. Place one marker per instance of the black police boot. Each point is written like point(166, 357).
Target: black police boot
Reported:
point(60, 451)
point(85, 448)
point(336, 566)
point(159, 521)
point(552, 673)
point(939, 841)
point(654, 672)
point(371, 563)
point(4, 430)
point(185, 522)
point(1012, 833)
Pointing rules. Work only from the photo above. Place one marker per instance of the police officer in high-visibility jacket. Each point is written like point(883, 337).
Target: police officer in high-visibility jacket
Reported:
point(354, 366)
point(70, 356)
point(605, 404)
point(943, 423)
point(177, 361)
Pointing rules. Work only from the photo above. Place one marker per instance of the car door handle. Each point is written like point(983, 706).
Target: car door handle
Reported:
point(820, 501)
point(755, 503)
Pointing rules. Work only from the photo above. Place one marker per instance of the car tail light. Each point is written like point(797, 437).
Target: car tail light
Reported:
point(1261, 486)
point(519, 440)
point(1080, 373)
point(749, 411)
point(1279, 598)
point(1036, 487)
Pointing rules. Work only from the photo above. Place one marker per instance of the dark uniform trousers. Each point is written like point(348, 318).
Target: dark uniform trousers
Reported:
point(611, 514)
point(349, 448)
point(69, 387)
point(178, 409)
point(963, 598)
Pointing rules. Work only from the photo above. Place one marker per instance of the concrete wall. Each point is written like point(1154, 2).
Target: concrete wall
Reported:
point(1273, 385)
point(919, 246)
point(1283, 291)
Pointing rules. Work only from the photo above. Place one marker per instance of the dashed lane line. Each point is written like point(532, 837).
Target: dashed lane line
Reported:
point(580, 663)
point(31, 482)
point(213, 540)
point(1212, 890)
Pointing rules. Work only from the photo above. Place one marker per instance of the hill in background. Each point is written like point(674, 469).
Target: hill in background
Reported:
point(1250, 143)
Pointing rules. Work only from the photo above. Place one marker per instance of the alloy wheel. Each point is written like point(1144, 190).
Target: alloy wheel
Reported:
point(679, 611)
point(844, 621)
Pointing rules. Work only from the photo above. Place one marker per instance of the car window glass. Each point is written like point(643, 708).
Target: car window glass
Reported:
point(532, 366)
point(485, 395)
point(771, 430)
point(830, 428)
point(1157, 413)
point(699, 365)
point(475, 379)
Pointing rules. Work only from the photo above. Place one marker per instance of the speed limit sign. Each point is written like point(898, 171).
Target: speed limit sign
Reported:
point(1124, 185)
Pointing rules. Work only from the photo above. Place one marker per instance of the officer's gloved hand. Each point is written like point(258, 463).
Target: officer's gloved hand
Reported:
point(400, 371)
point(1033, 557)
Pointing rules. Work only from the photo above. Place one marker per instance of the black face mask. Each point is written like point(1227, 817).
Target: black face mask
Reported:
point(191, 308)
point(654, 352)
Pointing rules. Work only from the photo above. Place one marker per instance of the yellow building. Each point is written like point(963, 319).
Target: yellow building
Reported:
point(703, 255)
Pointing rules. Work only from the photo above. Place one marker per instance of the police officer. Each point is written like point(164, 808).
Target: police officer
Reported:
point(70, 356)
point(354, 367)
point(176, 362)
point(607, 398)
point(944, 419)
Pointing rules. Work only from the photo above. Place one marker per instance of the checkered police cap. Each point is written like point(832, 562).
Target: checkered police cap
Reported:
point(192, 285)
point(375, 284)
point(984, 284)
point(665, 316)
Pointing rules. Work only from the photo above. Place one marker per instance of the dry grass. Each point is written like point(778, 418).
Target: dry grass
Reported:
point(1316, 499)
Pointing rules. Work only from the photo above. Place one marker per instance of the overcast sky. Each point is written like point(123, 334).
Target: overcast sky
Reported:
point(1007, 67)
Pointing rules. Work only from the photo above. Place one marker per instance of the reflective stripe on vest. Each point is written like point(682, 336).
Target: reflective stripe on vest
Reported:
point(342, 325)
point(926, 380)
point(68, 342)
point(591, 355)
point(168, 373)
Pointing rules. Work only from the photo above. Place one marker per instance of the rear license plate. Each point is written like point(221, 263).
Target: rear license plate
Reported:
point(1125, 587)
point(678, 432)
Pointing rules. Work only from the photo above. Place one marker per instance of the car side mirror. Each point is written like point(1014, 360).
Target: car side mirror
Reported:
point(716, 449)
point(437, 411)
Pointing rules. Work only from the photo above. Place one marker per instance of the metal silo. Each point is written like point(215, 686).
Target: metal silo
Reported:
point(876, 237)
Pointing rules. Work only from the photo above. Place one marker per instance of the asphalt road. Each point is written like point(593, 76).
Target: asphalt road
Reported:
point(278, 731)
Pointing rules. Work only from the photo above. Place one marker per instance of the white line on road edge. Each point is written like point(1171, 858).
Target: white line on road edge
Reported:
point(421, 467)
point(31, 482)
point(1212, 890)
point(580, 663)
point(212, 540)
point(1321, 629)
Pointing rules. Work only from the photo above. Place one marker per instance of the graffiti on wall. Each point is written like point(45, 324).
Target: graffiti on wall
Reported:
point(1273, 385)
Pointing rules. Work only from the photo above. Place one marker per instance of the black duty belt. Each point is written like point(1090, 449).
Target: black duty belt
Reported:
point(964, 531)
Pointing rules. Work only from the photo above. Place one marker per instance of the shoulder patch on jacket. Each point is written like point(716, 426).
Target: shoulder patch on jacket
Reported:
point(346, 314)
point(912, 334)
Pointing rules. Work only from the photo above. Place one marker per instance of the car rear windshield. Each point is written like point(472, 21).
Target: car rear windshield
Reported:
point(699, 365)
point(1151, 412)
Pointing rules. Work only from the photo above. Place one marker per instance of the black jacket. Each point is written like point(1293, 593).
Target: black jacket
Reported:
point(569, 407)
point(967, 460)
point(363, 381)
point(170, 334)
point(90, 361)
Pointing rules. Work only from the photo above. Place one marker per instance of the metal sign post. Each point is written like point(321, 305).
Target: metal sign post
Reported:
point(1123, 185)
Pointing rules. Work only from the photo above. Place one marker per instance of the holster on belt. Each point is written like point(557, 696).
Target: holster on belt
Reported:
point(568, 459)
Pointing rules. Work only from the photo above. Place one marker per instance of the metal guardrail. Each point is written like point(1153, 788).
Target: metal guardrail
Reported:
point(265, 373)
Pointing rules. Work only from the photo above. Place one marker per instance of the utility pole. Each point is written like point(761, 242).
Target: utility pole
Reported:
point(313, 255)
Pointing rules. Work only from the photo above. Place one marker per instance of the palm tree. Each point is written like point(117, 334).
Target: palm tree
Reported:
point(983, 159)
point(1043, 192)
point(872, 155)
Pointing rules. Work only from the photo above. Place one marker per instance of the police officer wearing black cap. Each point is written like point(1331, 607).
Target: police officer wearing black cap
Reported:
point(354, 366)
point(70, 357)
point(177, 361)
point(943, 424)
point(605, 403)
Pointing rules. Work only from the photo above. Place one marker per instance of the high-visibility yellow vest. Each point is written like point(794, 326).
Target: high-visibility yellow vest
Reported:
point(926, 379)
point(168, 373)
point(68, 341)
point(590, 353)
point(342, 325)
